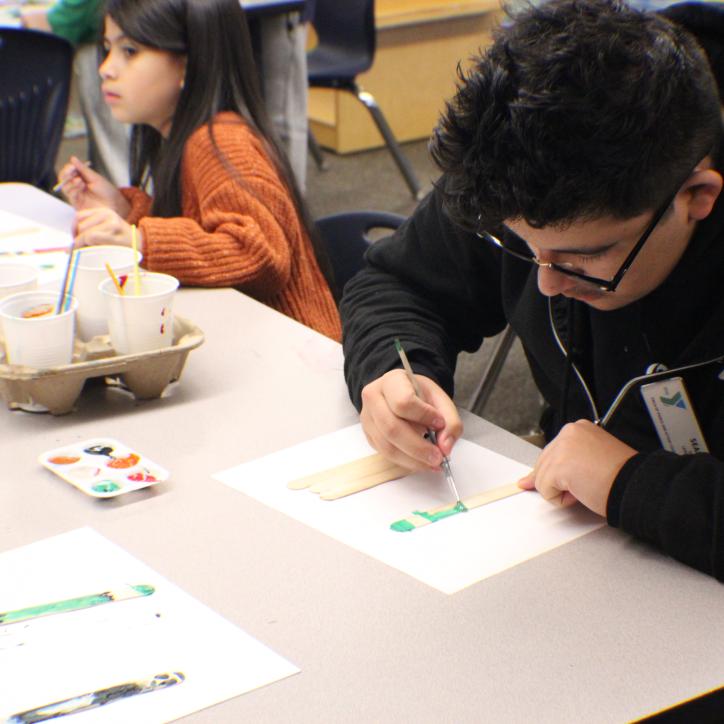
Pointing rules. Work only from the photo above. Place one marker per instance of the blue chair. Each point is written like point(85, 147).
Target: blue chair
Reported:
point(35, 74)
point(346, 239)
point(347, 41)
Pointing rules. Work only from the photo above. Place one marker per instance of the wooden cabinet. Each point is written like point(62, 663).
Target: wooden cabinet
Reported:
point(419, 44)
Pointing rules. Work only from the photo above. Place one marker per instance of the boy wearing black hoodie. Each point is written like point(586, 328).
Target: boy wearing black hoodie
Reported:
point(580, 201)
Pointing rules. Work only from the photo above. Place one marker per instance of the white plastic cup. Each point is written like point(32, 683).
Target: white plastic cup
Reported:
point(16, 278)
point(37, 341)
point(143, 322)
point(92, 317)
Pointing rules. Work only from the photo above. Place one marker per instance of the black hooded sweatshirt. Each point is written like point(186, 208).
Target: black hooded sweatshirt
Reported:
point(443, 290)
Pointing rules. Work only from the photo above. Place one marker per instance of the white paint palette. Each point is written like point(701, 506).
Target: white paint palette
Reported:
point(103, 467)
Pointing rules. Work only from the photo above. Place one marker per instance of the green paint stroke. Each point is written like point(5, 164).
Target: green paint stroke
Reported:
point(75, 604)
point(404, 525)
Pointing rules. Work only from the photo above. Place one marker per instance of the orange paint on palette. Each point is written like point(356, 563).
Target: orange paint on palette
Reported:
point(63, 460)
point(127, 462)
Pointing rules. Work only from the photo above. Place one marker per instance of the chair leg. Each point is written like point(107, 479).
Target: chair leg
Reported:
point(479, 398)
point(402, 163)
point(316, 151)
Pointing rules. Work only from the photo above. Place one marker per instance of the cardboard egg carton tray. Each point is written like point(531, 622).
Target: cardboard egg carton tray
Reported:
point(146, 374)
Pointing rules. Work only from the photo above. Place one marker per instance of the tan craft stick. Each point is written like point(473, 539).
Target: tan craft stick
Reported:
point(390, 472)
point(353, 470)
point(420, 518)
point(369, 481)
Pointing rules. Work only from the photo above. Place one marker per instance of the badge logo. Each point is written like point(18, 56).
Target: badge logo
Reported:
point(676, 401)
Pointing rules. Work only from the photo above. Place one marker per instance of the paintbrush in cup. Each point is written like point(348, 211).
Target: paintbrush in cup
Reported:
point(64, 285)
point(136, 274)
point(112, 275)
point(71, 283)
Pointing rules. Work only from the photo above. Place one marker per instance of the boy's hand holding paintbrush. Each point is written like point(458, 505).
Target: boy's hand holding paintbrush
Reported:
point(395, 420)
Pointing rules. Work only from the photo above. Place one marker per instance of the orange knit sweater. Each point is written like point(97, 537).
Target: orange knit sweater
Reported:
point(248, 237)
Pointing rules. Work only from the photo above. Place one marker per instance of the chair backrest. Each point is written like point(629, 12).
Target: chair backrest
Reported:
point(347, 28)
point(35, 73)
point(346, 240)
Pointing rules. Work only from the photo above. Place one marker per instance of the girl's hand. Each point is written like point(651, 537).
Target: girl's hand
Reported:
point(86, 189)
point(581, 464)
point(102, 226)
point(394, 420)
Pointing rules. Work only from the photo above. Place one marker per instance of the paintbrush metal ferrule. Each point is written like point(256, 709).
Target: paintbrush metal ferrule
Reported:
point(449, 477)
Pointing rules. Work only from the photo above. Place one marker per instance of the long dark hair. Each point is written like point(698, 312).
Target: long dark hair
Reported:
point(221, 75)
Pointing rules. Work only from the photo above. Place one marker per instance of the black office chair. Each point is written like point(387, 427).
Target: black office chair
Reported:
point(35, 73)
point(346, 48)
point(346, 239)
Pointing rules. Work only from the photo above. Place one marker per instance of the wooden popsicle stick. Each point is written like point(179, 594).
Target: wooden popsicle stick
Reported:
point(369, 481)
point(351, 470)
point(422, 518)
point(390, 472)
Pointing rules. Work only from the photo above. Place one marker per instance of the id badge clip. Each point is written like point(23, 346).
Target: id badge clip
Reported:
point(673, 416)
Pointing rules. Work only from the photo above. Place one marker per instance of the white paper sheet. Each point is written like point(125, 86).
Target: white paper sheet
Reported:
point(448, 555)
point(55, 657)
point(25, 241)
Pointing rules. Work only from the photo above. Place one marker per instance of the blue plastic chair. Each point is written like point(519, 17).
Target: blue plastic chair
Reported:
point(347, 41)
point(346, 239)
point(35, 74)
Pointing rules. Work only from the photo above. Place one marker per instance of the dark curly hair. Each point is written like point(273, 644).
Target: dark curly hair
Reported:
point(579, 109)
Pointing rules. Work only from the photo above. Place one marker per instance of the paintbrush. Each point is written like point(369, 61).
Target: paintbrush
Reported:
point(71, 284)
point(112, 275)
point(432, 435)
point(64, 285)
point(136, 274)
point(61, 184)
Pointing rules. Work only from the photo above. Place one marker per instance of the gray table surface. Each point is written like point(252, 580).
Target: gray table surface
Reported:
point(603, 629)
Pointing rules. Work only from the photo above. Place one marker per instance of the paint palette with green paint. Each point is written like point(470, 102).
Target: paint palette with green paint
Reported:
point(103, 467)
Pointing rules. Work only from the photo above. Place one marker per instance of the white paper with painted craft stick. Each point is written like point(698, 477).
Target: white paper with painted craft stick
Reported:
point(448, 555)
point(53, 658)
point(25, 241)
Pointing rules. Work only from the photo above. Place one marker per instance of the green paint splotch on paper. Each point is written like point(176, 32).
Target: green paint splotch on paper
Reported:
point(404, 525)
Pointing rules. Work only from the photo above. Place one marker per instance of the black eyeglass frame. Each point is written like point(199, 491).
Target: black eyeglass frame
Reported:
point(605, 285)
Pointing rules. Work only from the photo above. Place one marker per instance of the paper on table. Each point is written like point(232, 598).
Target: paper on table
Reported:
point(27, 241)
point(55, 657)
point(449, 555)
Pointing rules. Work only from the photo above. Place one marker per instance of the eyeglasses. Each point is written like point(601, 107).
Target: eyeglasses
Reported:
point(606, 285)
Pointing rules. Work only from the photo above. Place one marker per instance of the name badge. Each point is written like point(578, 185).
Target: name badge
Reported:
point(673, 416)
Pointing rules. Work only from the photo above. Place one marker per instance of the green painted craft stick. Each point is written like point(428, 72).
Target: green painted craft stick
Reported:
point(407, 524)
point(420, 518)
point(76, 604)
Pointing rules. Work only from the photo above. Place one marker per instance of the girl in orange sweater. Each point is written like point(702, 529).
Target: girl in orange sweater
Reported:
point(225, 209)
